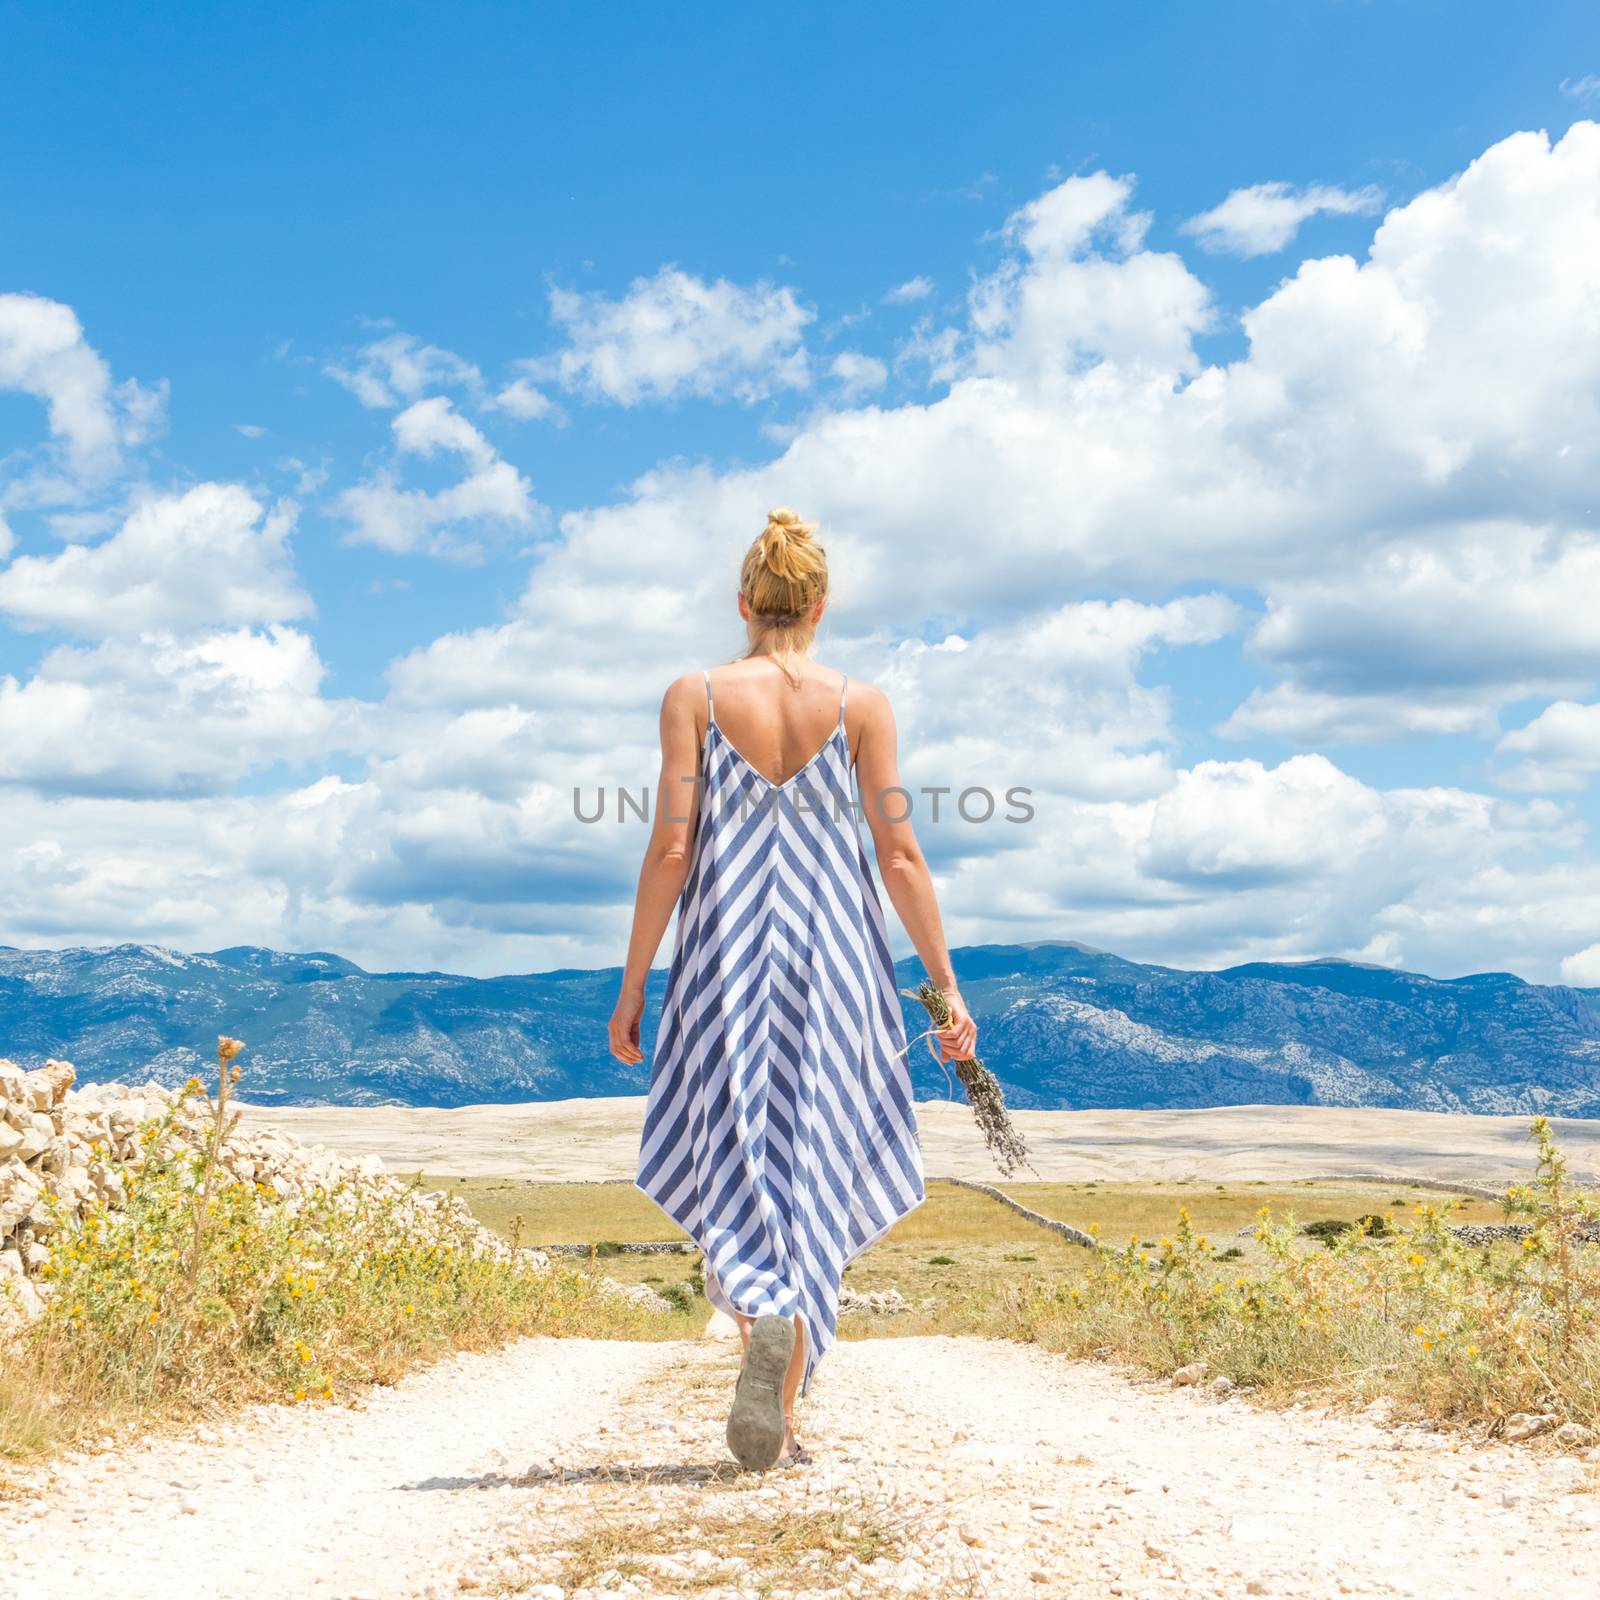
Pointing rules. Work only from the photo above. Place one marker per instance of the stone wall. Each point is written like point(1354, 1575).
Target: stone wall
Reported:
point(62, 1150)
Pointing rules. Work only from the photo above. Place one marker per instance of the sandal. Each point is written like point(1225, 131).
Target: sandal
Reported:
point(756, 1423)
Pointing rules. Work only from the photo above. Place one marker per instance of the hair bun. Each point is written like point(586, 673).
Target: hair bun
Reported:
point(784, 531)
point(785, 571)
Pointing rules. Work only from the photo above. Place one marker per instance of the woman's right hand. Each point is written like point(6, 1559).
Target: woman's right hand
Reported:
point(958, 1041)
point(625, 1027)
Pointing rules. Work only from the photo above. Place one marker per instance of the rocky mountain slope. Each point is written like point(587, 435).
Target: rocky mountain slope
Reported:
point(1063, 1026)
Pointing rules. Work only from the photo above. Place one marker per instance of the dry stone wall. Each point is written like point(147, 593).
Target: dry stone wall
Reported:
point(62, 1150)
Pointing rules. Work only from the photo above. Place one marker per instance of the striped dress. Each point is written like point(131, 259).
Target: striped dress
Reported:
point(779, 1132)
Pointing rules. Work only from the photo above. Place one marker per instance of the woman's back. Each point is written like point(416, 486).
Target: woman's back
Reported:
point(777, 726)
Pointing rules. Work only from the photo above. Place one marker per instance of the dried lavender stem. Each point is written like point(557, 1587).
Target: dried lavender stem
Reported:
point(988, 1103)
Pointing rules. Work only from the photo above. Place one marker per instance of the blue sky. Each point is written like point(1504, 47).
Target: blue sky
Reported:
point(367, 509)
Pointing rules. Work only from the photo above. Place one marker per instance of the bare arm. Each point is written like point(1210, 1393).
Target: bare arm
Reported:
point(666, 859)
point(903, 868)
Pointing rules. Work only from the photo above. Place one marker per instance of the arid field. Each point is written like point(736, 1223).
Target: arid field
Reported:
point(589, 1140)
point(556, 1173)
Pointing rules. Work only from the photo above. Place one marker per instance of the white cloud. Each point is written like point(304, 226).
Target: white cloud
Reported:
point(1560, 748)
point(43, 353)
point(1585, 88)
point(399, 367)
point(675, 334)
point(166, 715)
point(1264, 217)
point(857, 374)
point(1083, 292)
point(250, 430)
point(522, 400)
point(1421, 638)
point(1052, 702)
point(1315, 717)
point(1582, 969)
point(909, 292)
point(431, 426)
point(211, 556)
point(1240, 824)
point(492, 495)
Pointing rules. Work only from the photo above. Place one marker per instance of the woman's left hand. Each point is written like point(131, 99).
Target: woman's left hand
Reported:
point(958, 1041)
point(625, 1027)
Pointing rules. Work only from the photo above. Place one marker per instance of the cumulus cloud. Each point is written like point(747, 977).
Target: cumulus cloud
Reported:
point(210, 556)
point(677, 335)
point(167, 715)
point(399, 367)
point(1264, 217)
point(1560, 749)
point(1422, 638)
point(491, 495)
point(1308, 716)
point(523, 400)
point(857, 374)
point(43, 353)
point(1082, 291)
point(1240, 824)
point(1582, 969)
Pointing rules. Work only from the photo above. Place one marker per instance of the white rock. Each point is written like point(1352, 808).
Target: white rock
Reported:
point(34, 1139)
point(1522, 1425)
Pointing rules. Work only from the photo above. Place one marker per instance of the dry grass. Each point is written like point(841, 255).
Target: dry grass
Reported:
point(986, 1249)
point(749, 1548)
point(562, 1213)
point(201, 1292)
point(1222, 1209)
point(761, 1549)
point(1445, 1329)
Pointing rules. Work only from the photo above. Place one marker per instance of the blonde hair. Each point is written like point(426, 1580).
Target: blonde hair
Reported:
point(784, 575)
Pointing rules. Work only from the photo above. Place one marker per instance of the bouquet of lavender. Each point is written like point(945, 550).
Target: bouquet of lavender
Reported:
point(1000, 1134)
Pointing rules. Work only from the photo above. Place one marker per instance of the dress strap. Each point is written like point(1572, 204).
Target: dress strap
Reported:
point(844, 689)
point(711, 705)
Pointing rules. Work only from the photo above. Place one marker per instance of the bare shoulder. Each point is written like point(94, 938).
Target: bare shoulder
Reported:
point(867, 706)
point(684, 693)
point(684, 703)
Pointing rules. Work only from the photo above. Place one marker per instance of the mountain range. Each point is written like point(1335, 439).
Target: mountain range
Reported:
point(1063, 1025)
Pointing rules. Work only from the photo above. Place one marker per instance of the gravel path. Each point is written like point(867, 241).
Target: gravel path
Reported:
point(943, 1466)
point(291, 1502)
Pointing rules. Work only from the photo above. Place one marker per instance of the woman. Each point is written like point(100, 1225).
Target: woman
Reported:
point(779, 1131)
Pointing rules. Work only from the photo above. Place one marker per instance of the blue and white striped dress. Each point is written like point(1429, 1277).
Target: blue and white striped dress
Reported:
point(779, 1132)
